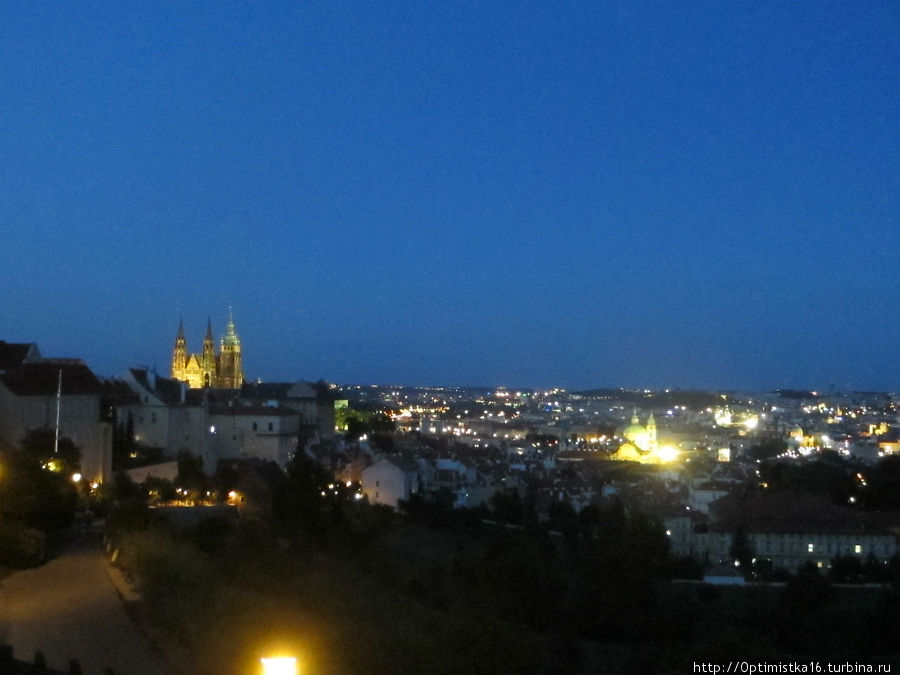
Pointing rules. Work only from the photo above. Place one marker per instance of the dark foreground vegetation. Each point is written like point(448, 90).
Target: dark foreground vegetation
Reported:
point(37, 666)
point(38, 498)
point(352, 588)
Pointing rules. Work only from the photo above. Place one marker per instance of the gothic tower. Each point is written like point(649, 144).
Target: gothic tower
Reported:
point(208, 358)
point(179, 353)
point(231, 372)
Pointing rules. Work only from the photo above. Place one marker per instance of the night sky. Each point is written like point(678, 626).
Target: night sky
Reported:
point(530, 193)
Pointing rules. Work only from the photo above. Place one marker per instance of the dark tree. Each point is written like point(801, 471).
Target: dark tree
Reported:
point(38, 445)
point(506, 506)
point(829, 475)
point(768, 447)
point(36, 488)
point(190, 471)
point(741, 550)
point(564, 519)
point(159, 489)
point(299, 505)
point(882, 491)
point(845, 569)
point(123, 443)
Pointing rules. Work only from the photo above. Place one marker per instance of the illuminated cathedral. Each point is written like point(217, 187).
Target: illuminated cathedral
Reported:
point(220, 369)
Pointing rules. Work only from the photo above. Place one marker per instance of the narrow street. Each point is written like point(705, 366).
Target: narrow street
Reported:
point(70, 609)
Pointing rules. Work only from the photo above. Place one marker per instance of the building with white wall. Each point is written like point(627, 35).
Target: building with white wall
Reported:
point(36, 392)
point(390, 480)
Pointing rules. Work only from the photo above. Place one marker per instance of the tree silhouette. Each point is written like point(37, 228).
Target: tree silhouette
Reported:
point(741, 550)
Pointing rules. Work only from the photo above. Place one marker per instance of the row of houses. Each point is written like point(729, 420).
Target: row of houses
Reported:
point(260, 420)
point(390, 479)
point(788, 528)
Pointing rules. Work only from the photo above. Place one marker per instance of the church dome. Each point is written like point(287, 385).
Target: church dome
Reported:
point(633, 429)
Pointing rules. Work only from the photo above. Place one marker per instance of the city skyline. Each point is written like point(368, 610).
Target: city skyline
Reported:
point(162, 368)
point(603, 195)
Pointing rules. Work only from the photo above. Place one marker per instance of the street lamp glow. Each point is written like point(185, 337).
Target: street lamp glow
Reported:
point(667, 453)
point(279, 665)
point(76, 477)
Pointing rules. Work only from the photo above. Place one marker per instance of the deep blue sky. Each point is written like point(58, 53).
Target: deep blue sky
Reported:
point(530, 193)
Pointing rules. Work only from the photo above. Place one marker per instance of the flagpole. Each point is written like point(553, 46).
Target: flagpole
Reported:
point(58, 398)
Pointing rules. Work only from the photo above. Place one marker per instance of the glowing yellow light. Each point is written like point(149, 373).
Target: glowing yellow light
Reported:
point(279, 665)
point(667, 453)
point(751, 422)
point(76, 477)
point(723, 417)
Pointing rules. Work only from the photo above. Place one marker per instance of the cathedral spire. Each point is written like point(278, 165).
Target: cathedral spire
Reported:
point(179, 352)
point(208, 365)
point(231, 371)
point(230, 327)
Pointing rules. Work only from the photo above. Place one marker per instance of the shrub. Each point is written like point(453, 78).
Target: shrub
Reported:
point(21, 546)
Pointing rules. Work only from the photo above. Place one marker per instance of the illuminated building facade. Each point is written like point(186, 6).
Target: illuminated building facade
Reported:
point(222, 369)
point(640, 441)
point(642, 445)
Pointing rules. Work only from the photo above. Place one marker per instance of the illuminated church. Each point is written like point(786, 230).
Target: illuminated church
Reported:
point(642, 445)
point(640, 442)
point(222, 369)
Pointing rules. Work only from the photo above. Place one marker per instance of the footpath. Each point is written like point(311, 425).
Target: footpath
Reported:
point(76, 607)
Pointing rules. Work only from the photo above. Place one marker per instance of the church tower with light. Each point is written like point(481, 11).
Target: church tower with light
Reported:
point(222, 370)
point(230, 371)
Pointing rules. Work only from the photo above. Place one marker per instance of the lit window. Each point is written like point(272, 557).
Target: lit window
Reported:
point(810, 548)
point(857, 548)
